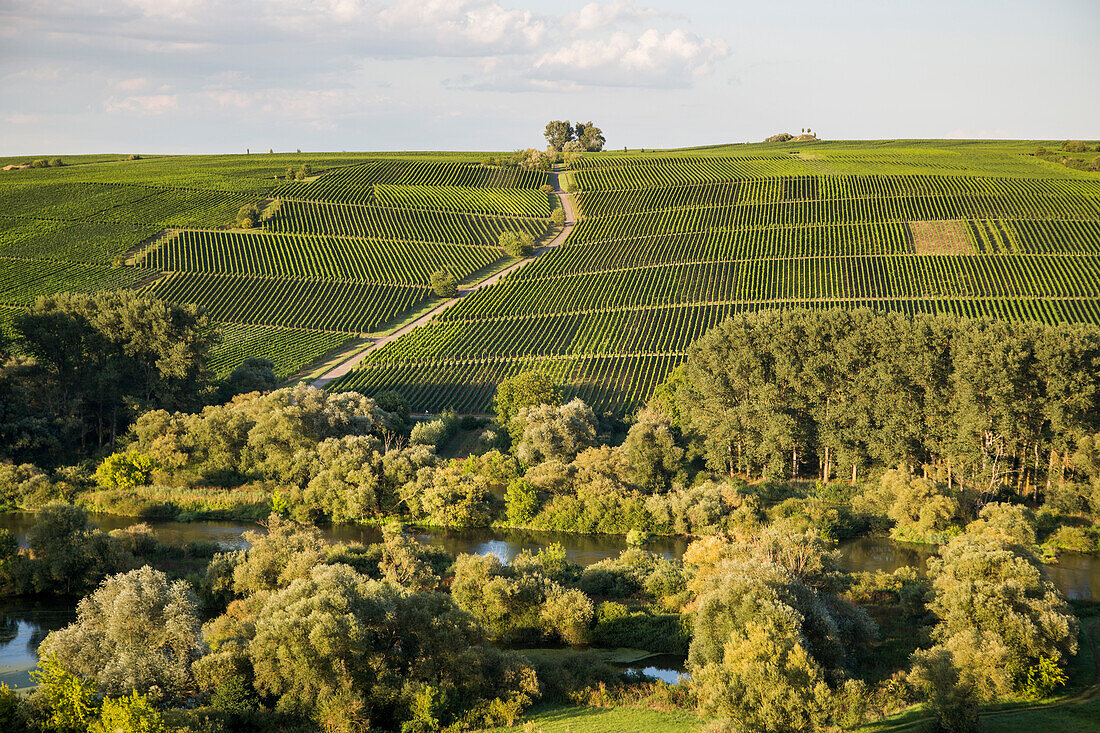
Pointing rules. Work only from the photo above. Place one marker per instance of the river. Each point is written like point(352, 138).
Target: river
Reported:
point(23, 623)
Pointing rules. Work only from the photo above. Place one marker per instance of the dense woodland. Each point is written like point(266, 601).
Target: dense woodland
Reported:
point(782, 433)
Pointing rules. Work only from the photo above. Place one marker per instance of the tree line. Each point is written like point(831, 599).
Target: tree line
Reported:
point(994, 406)
point(79, 369)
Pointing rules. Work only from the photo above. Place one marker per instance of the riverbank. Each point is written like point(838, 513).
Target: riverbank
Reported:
point(1077, 575)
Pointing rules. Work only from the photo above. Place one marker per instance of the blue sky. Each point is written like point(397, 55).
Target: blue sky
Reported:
point(222, 75)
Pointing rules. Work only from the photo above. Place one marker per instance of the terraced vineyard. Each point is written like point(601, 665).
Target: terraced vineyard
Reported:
point(353, 184)
point(346, 251)
point(410, 225)
point(320, 258)
point(287, 348)
point(668, 244)
point(293, 302)
point(672, 242)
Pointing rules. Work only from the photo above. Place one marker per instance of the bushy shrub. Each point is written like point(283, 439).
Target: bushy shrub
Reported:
point(568, 614)
point(1072, 539)
point(126, 470)
point(706, 508)
point(248, 216)
point(24, 485)
point(69, 700)
point(633, 572)
point(437, 432)
point(905, 587)
point(444, 283)
point(521, 502)
point(137, 632)
point(517, 244)
point(450, 497)
point(12, 710)
point(132, 712)
point(921, 509)
point(660, 633)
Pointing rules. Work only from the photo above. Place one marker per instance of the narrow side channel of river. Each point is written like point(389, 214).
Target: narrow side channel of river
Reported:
point(24, 623)
point(1077, 575)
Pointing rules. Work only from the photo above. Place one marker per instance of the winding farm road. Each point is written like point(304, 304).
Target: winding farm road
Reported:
point(346, 366)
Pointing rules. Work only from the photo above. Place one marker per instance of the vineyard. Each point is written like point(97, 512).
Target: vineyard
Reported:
point(311, 257)
point(668, 244)
point(287, 348)
point(348, 250)
point(354, 184)
point(344, 220)
point(326, 305)
point(500, 201)
point(672, 242)
point(23, 281)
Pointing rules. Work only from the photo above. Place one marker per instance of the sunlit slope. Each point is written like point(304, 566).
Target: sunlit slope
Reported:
point(672, 242)
point(345, 247)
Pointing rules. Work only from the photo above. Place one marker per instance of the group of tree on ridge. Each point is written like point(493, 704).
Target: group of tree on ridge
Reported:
point(580, 137)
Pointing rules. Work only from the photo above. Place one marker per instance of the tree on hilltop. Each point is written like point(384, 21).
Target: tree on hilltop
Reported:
point(590, 137)
point(558, 133)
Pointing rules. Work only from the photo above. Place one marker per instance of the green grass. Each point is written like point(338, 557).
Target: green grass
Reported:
point(564, 719)
point(1068, 717)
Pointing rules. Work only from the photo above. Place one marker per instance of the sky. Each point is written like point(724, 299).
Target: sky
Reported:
point(220, 76)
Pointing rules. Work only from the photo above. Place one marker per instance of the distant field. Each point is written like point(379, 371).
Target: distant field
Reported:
point(350, 249)
point(671, 242)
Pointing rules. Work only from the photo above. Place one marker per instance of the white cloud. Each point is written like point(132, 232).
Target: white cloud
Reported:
point(131, 85)
point(599, 16)
point(279, 65)
point(150, 104)
point(653, 59)
point(476, 23)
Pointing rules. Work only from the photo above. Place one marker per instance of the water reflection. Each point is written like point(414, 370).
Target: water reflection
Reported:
point(668, 668)
point(23, 626)
point(1077, 575)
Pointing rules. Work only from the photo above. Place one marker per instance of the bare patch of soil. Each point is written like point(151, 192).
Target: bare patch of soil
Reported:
point(940, 238)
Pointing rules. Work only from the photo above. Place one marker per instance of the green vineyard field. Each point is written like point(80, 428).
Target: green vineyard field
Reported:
point(90, 242)
point(23, 281)
point(352, 185)
point(323, 258)
point(350, 249)
point(672, 242)
point(667, 244)
point(328, 305)
point(343, 220)
point(803, 278)
point(524, 202)
point(287, 348)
